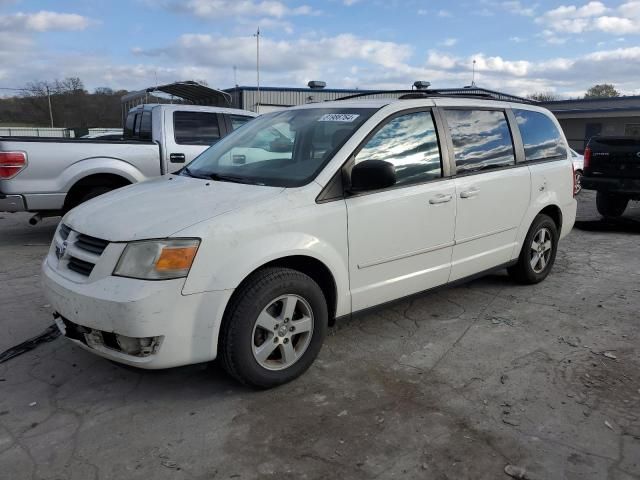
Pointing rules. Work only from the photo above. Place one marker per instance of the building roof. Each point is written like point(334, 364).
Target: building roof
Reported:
point(191, 91)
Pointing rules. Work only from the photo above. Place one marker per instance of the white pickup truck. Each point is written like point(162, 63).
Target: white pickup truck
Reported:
point(50, 176)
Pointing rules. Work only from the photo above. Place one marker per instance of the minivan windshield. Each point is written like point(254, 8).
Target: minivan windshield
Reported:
point(282, 149)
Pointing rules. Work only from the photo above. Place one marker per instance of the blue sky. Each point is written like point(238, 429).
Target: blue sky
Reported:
point(562, 47)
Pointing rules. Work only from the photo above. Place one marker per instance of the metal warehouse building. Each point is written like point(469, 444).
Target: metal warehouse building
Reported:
point(268, 99)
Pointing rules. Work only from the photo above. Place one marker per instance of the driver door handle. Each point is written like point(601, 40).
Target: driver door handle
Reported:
point(440, 198)
point(472, 192)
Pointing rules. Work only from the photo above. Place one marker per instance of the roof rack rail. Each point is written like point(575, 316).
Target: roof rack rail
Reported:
point(414, 94)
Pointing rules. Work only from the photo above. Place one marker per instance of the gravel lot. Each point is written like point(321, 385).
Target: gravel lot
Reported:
point(452, 385)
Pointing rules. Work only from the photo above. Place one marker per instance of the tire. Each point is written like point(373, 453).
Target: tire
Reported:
point(85, 196)
point(610, 205)
point(257, 322)
point(577, 181)
point(93, 193)
point(528, 271)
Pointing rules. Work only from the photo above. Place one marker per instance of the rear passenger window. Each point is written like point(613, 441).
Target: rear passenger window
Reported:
point(410, 143)
point(196, 128)
point(541, 138)
point(481, 140)
point(238, 120)
point(145, 127)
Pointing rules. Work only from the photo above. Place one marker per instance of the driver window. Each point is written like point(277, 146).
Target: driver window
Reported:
point(410, 143)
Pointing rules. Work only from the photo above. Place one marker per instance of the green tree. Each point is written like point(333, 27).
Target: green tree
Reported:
point(602, 90)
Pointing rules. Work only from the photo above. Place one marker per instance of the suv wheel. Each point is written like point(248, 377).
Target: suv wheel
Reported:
point(274, 328)
point(611, 205)
point(538, 252)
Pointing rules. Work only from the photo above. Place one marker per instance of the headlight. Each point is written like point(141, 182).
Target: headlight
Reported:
point(157, 259)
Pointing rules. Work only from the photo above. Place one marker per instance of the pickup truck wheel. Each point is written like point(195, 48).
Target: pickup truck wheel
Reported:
point(93, 193)
point(274, 328)
point(610, 205)
point(538, 252)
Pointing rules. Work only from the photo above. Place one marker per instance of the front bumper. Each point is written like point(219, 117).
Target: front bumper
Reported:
point(624, 186)
point(12, 203)
point(185, 326)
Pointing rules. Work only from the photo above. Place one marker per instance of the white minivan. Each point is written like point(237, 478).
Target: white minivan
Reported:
point(306, 215)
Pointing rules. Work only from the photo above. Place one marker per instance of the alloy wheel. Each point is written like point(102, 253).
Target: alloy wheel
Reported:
point(282, 332)
point(541, 248)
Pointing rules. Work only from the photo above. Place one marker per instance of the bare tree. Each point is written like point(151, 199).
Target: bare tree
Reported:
point(547, 96)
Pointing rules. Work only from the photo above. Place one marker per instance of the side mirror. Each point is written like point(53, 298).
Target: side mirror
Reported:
point(372, 175)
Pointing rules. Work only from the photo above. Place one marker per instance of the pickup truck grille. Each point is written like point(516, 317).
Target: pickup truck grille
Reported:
point(79, 252)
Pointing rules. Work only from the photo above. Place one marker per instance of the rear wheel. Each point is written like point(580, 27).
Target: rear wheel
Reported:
point(538, 252)
point(611, 205)
point(274, 328)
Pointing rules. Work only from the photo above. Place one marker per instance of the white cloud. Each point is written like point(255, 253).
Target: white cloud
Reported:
point(448, 42)
point(43, 21)
point(215, 9)
point(444, 13)
point(515, 6)
point(617, 25)
point(594, 16)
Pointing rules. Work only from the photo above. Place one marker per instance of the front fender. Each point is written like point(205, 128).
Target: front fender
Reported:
point(235, 246)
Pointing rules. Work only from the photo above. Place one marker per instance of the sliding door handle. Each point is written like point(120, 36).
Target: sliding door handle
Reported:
point(440, 198)
point(473, 192)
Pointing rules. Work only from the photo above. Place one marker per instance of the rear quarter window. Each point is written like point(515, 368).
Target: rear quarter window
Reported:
point(541, 138)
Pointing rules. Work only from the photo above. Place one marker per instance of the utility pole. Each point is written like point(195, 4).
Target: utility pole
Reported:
point(257, 35)
point(235, 76)
point(473, 78)
point(50, 109)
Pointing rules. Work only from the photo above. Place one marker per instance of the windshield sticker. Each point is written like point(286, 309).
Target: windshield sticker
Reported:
point(339, 117)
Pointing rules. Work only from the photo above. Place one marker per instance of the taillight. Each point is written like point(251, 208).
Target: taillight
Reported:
point(587, 158)
point(11, 163)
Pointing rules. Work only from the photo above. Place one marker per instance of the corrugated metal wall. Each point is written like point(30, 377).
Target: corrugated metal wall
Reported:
point(285, 98)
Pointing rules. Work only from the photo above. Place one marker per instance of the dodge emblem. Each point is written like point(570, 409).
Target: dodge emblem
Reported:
point(61, 249)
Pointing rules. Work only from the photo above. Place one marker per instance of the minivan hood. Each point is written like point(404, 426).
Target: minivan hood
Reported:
point(160, 207)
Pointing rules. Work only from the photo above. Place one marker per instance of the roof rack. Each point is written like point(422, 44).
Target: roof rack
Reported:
point(414, 94)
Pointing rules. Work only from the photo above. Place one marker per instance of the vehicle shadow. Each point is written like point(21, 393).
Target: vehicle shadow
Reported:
point(618, 225)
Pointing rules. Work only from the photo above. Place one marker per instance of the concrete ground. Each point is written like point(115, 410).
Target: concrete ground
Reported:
point(451, 385)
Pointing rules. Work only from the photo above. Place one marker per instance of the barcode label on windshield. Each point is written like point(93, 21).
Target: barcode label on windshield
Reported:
point(339, 117)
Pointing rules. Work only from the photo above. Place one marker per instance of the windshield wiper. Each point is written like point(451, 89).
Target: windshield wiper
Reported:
point(227, 178)
point(189, 173)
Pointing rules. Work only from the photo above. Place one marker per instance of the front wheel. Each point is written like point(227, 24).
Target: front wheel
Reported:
point(274, 328)
point(611, 205)
point(538, 252)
